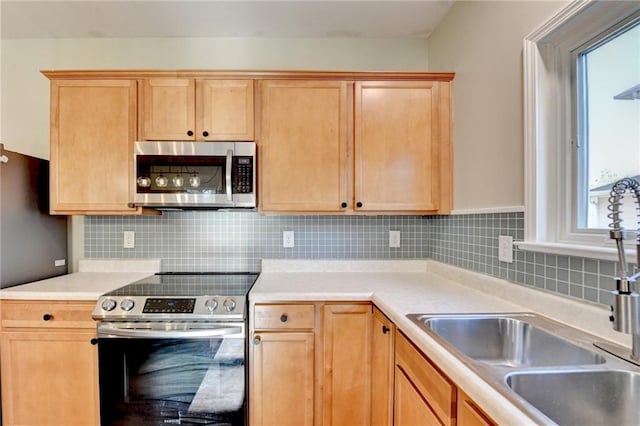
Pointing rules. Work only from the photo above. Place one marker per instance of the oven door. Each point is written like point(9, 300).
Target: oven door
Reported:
point(172, 373)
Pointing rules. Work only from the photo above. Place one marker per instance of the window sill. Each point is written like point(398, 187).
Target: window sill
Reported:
point(591, 252)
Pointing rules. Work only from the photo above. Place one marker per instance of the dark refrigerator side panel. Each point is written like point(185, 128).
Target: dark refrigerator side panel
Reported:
point(31, 240)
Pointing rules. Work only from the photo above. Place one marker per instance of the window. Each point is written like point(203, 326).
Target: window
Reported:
point(582, 125)
point(608, 122)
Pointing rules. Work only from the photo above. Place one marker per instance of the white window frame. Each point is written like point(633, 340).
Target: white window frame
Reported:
point(549, 124)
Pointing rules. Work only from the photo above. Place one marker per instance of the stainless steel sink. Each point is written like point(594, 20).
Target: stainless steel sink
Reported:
point(551, 371)
point(507, 341)
point(606, 397)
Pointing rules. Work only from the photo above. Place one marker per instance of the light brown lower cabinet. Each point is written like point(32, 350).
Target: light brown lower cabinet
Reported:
point(49, 365)
point(345, 364)
point(382, 371)
point(469, 414)
point(310, 364)
point(411, 409)
point(424, 395)
point(282, 386)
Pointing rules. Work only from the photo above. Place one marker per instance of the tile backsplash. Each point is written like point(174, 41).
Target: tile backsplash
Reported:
point(236, 241)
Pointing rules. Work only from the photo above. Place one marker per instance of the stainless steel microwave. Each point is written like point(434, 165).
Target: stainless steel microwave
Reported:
point(195, 174)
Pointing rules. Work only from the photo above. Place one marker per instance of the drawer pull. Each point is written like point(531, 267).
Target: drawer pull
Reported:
point(284, 317)
point(94, 341)
point(385, 329)
point(47, 317)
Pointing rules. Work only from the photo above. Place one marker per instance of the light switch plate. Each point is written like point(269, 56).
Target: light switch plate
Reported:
point(129, 239)
point(505, 248)
point(288, 239)
point(394, 239)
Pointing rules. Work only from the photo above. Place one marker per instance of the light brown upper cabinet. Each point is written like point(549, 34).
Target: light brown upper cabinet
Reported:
point(303, 146)
point(192, 109)
point(402, 146)
point(93, 127)
point(365, 147)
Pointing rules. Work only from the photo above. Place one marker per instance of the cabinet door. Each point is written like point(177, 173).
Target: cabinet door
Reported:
point(282, 380)
point(469, 414)
point(224, 110)
point(93, 127)
point(347, 365)
point(49, 378)
point(303, 146)
point(401, 146)
point(411, 409)
point(168, 109)
point(382, 370)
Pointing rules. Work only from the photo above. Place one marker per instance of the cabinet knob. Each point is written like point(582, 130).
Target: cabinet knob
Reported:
point(343, 205)
point(131, 205)
point(47, 317)
point(205, 134)
point(256, 340)
point(284, 317)
point(189, 133)
point(385, 329)
point(94, 341)
point(358, 204)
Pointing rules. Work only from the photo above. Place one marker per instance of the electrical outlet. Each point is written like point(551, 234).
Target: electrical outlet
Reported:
point(288, 239)
point(505, 248)
point(129, 240)
point(59, 262)
point(394, 239)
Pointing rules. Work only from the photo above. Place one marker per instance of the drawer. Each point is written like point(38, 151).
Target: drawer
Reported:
point(45, 313)
point(284, 317)
point(434, 386)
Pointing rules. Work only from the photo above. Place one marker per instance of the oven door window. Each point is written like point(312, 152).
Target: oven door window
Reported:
point(167, 381)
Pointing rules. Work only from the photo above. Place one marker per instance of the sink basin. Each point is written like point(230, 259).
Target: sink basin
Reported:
point(581, 397)
point(506, 341)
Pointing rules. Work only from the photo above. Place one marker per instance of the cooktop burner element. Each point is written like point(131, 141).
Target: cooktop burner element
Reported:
point(212, 296)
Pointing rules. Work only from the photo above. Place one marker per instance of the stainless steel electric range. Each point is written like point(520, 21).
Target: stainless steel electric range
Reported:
point(172, 350)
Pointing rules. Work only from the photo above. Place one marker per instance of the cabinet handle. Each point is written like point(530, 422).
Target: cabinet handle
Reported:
point(131, 205)
point(94, 341)
point(189, 133)
point(256, 340)
point(284, 317)
point(385, 329)
point(47, 317)
point(358, 204)
point(343, 205)
point(205, 134)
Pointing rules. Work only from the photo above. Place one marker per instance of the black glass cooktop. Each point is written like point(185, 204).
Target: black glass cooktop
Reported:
point(187, 284)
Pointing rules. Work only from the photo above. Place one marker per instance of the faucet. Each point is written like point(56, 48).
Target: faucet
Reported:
point(625, 310)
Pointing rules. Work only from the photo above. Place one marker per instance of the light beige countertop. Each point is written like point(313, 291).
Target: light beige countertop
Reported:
point(95, 277)
point(422, 286)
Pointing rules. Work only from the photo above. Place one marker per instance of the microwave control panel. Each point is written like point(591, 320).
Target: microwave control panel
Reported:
point(243, 175)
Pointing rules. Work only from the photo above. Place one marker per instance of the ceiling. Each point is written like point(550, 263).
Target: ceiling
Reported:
point(184, 18)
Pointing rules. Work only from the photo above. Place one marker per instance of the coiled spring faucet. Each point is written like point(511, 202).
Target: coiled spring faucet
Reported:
point(625, 310)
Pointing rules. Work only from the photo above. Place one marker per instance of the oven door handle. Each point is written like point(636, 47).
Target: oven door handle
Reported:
point(228, 174)
point(112, 331)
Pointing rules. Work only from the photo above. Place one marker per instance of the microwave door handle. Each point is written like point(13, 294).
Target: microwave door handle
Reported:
point(228, 174)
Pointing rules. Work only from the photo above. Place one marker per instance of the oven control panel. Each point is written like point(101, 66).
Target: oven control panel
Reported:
point(170, 307)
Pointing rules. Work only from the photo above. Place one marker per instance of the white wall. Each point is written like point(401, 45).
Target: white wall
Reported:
point(25, 92)
point(482, 42)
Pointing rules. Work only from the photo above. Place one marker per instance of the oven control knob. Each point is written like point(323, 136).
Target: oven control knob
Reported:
point(127, 305)
point(230, 304)
point(109, 304)
point(211, 304)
